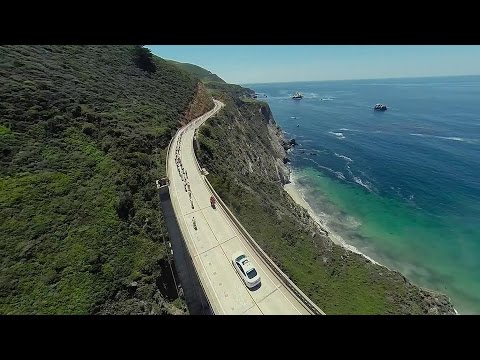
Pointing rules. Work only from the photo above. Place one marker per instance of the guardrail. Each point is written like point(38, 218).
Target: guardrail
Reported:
point(168, 153)
point(309, 304)
point(176, 207)
point(185, 233)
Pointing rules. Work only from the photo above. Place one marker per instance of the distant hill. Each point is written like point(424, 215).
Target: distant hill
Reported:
point(198, 72)
point(217, 87)
point(83, 133)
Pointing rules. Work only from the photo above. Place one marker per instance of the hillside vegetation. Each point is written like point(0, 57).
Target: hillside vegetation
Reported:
point(241, 147)
point(83, 137)
point(216, 86)
point(83, 132)
point(200, 73)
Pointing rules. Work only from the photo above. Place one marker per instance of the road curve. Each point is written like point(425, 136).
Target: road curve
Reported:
point(216, 238)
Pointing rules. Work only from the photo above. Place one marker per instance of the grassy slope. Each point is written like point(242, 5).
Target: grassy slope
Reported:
point(198, 72)
point(82, 136)
point(217, 87)
point(338, 281)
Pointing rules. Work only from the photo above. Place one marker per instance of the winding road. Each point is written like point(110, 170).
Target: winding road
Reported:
point(216, 238)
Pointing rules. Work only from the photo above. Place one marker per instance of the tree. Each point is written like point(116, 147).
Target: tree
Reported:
point(125, 205)
point(143, 59)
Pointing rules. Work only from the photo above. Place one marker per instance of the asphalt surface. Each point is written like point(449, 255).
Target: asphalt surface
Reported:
point(211, 243)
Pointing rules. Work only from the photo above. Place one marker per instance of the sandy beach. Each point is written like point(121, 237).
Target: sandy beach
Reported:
point(297, 196)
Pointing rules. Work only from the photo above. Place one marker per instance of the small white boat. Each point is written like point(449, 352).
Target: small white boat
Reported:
point(297, 96)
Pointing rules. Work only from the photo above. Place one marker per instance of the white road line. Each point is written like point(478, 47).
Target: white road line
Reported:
point(201, 261)
point(187, 147)
point(247, 245)
point(184, 142)
point(245, 242)
point(218, 244)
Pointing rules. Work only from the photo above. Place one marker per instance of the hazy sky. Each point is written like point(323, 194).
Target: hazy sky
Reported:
point(244, 64)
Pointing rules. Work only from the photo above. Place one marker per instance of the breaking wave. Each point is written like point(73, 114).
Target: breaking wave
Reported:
point(364, 184)
point(338, 174)
point(337, 134)
point(343, 157)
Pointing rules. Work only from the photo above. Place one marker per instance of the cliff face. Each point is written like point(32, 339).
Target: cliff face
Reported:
point(244, 151)
point(253, 131)
point(200, 104)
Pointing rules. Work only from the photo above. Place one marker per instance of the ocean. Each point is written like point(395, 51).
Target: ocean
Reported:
point(402, 186)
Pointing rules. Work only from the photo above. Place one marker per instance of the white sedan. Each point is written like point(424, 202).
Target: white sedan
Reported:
point(245, 269)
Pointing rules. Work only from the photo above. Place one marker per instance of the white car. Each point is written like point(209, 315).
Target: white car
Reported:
point(245, 269)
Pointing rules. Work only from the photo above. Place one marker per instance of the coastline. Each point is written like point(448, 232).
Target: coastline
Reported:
point(296, 194)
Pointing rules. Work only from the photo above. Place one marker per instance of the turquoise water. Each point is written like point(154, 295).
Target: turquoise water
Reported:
point(403, 185)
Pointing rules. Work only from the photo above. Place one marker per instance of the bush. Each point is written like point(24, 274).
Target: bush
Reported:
point(143, 59)
point(78, 136)
point(125, 205)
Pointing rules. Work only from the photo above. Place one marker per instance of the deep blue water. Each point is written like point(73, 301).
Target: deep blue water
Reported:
point(401, 185)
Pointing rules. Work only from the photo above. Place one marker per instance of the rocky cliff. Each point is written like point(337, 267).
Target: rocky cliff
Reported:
point(199, 105)
point(245, 153)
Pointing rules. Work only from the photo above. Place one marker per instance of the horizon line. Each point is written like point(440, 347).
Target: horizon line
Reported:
point(386, 78)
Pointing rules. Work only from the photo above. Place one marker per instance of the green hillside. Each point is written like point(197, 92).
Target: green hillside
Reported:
point(216, 86)
point(243, 150)
point(83, 132)
point(198, 72)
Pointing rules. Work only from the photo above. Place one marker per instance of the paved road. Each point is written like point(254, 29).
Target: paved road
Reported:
point(216, 238)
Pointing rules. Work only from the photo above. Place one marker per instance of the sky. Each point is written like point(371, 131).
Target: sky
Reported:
point(250, 64)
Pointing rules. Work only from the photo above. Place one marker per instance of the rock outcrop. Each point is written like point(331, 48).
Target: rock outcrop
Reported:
point(200, 104)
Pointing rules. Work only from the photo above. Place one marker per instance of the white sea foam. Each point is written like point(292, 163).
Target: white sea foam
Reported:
point(343, 157)
point(353, 130)
point(349, 170)
point(352, 222)
point(323, 219)
point(338, 174)
point(454, 138)
point(360, 182)
point(451, 138)
point(337, 134)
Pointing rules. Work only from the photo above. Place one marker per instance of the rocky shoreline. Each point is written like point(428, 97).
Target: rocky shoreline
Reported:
point(433, 303)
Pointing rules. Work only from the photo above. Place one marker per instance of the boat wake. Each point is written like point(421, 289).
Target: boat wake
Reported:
point(454, 138)
point(353, 130)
